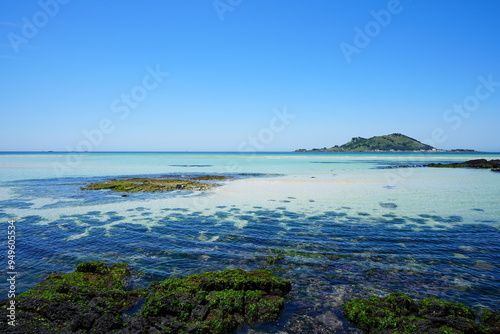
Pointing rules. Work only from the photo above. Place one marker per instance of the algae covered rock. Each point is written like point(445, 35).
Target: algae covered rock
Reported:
point(215, 302)
point(491, 321)
point(91, 299)
point(398, 313)
point(133, 185)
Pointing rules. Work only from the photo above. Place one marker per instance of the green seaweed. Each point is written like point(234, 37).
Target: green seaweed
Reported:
point(217, 302)
point(132, 185)
point(89, 280)
point(273, 259)
point(93, 297)
point(398, 313)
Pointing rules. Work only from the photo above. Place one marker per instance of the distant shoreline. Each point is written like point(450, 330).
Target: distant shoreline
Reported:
point(242, 153)
point(391, 151)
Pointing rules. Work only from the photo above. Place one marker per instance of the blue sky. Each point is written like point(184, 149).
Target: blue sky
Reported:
point(240, 75)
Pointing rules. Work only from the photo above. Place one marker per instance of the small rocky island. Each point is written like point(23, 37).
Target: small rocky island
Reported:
point(395, 142)
point(132, 185)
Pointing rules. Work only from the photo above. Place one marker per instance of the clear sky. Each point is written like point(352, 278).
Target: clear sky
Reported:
point(242, 75)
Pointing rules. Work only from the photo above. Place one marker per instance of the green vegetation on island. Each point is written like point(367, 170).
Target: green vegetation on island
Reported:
point(157, 184)
point(95, 296)
point(398, 313)
point(395, 142)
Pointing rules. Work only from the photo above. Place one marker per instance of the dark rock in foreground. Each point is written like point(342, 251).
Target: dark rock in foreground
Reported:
point(215, 302)
point(398, 313)
point(93, 298)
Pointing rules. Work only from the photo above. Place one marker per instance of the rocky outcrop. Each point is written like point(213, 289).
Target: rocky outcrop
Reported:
point(157, 184)
point(93, 298)
point(398, 313)
point(494, 164)
point(215, 302)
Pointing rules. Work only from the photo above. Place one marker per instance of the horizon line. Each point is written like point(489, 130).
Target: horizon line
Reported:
point(239, 152)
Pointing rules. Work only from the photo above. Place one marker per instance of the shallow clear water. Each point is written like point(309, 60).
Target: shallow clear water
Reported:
point(344, 225)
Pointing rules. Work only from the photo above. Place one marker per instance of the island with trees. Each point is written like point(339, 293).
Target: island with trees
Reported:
point(395, 142)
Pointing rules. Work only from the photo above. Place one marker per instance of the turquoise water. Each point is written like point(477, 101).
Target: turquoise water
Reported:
point(344, 225)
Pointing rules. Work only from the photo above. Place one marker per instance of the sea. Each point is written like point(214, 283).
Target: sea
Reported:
point(338, 225)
